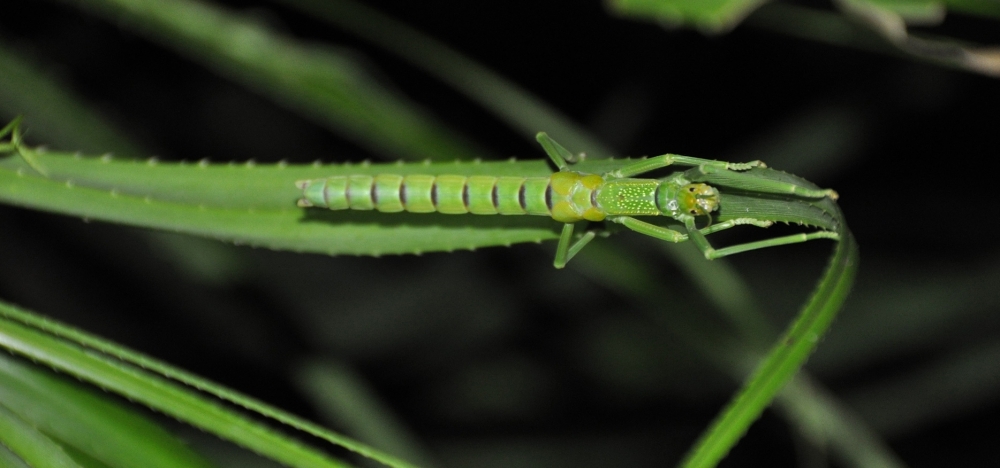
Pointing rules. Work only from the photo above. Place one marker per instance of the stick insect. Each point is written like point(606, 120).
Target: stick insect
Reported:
point(569, 197)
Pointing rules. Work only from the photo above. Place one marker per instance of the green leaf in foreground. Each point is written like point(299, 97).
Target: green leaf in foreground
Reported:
point(255, 205)
point(29, 444)
point(785, 359)
point(89, 422)
point(707, 15)
point(45, 341)
point(234, 185)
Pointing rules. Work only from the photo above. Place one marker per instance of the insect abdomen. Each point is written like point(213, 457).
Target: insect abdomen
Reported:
point(418, 193)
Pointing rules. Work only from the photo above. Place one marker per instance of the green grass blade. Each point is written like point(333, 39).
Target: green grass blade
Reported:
point(824, 417)
point(708, 15)
point(519, 108)
point(160, 394)
point(244, 185)
point(320, 82)
point(975, 7)
point(29, 444)
point(784, 360)
point(779, 208)
point(922, 12)
point(53, 111)
point(793, 349)
point(722, 285)
point(775, 209)
point(295, 229)
point(809, 407)
point(92, 424)
point(344, 397)
point(48, 331)
point(9, 459)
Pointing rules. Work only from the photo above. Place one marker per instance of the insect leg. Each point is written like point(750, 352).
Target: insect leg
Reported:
point(664, 160)
point(565, 252)
point(11, 127)
point(649, 229)
point(559, 155)
point(699, 240)
point(733, 223)
point(792, 239)
point(27, 154)
point(698, 236)
point(671, 235)
point(716, 176)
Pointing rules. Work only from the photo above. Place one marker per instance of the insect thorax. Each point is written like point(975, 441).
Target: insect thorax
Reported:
point(629, 197)
point(678, 198)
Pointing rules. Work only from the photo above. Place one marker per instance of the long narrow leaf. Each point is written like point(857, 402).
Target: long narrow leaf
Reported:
point(182, 403)
point(784, 360)
point(93, 425)
point(55, 329)
point(341, 395)
point(52, 111)
point(9, 459)
point(708, 15)
point(520, 109)
point(236, 185)
point(804, 402)
point(29, 444)
point(295, 229)
point(320, 82)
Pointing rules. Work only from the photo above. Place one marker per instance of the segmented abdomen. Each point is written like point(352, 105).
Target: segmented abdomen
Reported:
point(417, 193)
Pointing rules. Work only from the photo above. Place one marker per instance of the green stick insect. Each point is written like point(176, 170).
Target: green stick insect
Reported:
point(569, 197)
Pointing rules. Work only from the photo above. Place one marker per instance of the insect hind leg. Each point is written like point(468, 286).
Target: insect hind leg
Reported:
point(557, 153)
point(11, 127)
point(664, 160)
point(564, 251)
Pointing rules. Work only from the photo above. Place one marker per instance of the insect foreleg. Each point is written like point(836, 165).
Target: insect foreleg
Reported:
point(559, 155)
point(664, 160)
point(710, 253)
point(791, 239)
point(716, 176)
point(733, 223)
point(13, 126)
point(565, 252)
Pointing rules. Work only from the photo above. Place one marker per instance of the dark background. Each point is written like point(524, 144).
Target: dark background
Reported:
point(491, 357)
